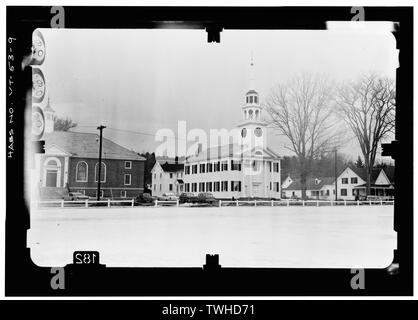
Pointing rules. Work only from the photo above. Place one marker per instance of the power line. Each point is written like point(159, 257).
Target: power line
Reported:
point(134, 132)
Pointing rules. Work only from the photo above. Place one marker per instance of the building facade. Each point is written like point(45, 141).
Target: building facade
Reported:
point(70, 164)
point(246, 168)
point(167, 178)
point(351, 185)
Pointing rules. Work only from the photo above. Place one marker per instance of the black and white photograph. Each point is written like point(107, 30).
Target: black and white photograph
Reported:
point(199, 151)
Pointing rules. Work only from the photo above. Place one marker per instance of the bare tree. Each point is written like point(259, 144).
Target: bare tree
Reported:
point(61, 124)
point(301, 111)
point(368, 107)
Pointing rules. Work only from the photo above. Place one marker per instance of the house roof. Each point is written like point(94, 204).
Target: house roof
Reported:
point(390, 173)
point(85, 145)
point(172, 167)
point(310, 183)
point(361, 172)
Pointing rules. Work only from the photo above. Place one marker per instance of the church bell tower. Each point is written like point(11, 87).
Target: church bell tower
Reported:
point(253, 128)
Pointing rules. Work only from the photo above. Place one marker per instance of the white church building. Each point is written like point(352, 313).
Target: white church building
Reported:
point(246, 168)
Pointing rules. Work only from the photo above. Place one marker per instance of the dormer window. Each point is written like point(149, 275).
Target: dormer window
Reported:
point(255, 99)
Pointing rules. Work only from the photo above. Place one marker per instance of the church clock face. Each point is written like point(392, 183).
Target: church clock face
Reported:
point(244, 132)
point(258, 132)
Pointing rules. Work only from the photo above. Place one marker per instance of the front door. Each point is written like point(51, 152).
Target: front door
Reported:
point(51, 178)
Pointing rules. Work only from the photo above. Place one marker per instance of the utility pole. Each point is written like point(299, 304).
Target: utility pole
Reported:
point(100, 161)
point(335, 173)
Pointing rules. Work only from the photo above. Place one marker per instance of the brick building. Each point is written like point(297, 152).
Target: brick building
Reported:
point(70, 164)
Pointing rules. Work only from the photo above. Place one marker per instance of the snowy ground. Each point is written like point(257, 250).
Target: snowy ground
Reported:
point(309, 237)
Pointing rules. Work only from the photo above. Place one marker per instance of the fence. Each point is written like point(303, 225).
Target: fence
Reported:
point(303, 203)
point(81, 203)
point(221, 203)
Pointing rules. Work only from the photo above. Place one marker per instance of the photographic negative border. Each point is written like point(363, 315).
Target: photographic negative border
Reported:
point(24, 278)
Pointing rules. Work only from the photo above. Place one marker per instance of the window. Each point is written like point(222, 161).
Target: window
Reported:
point(81, 171)
point(155, 176)
point(327, 192)
point(187, 170)
point(255, 99)
point(155, 187)
point(123, 194)
point(128, 164)
point(170, 187)
point(102, 172)
point(202, 168)
point(201, 187)
point(208, 186)
point(293, 193)
point(343, 192)
point(270, 166)
point(127, 179)
point(354, 180)
point(209, 167)
point(235, 185)
point(171, 175)
point(275, 167)
point(270, 185)
point(224, 186)
point(344, 180)
point(194, 187)
point(187, 187)
point(194, 168)
point(235, 165)
point(277, 186)
point(216, 186)
point(161, 175)
point(354, 192)
point(217, 167)
point(251, 99)
point(224, 165)
point(160, 187)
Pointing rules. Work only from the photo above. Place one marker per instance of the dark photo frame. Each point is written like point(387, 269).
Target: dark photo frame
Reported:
point(24, 278)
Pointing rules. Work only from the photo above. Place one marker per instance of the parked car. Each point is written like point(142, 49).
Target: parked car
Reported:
point(206, 197)
point(144, 198)
point(169, 196)
point(187, 197)
point(77, 196)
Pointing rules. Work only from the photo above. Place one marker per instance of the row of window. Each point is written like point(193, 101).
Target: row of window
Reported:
point(223, 166)
point(217, 186)
point(178, 175)
point(81, 172)
point(170, 187)
point(343, 192)
point(353, 180)
point(252, 99)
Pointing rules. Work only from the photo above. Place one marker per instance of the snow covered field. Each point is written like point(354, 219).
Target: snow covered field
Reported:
point(309, 237)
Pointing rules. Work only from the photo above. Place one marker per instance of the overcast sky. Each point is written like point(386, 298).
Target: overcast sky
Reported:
point(138, 81)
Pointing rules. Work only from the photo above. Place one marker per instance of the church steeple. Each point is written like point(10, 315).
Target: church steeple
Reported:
point(49, 117)
point(252, 127)
point(252, 108)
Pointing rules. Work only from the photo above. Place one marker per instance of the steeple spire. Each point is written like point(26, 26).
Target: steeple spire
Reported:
point(252, 81)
